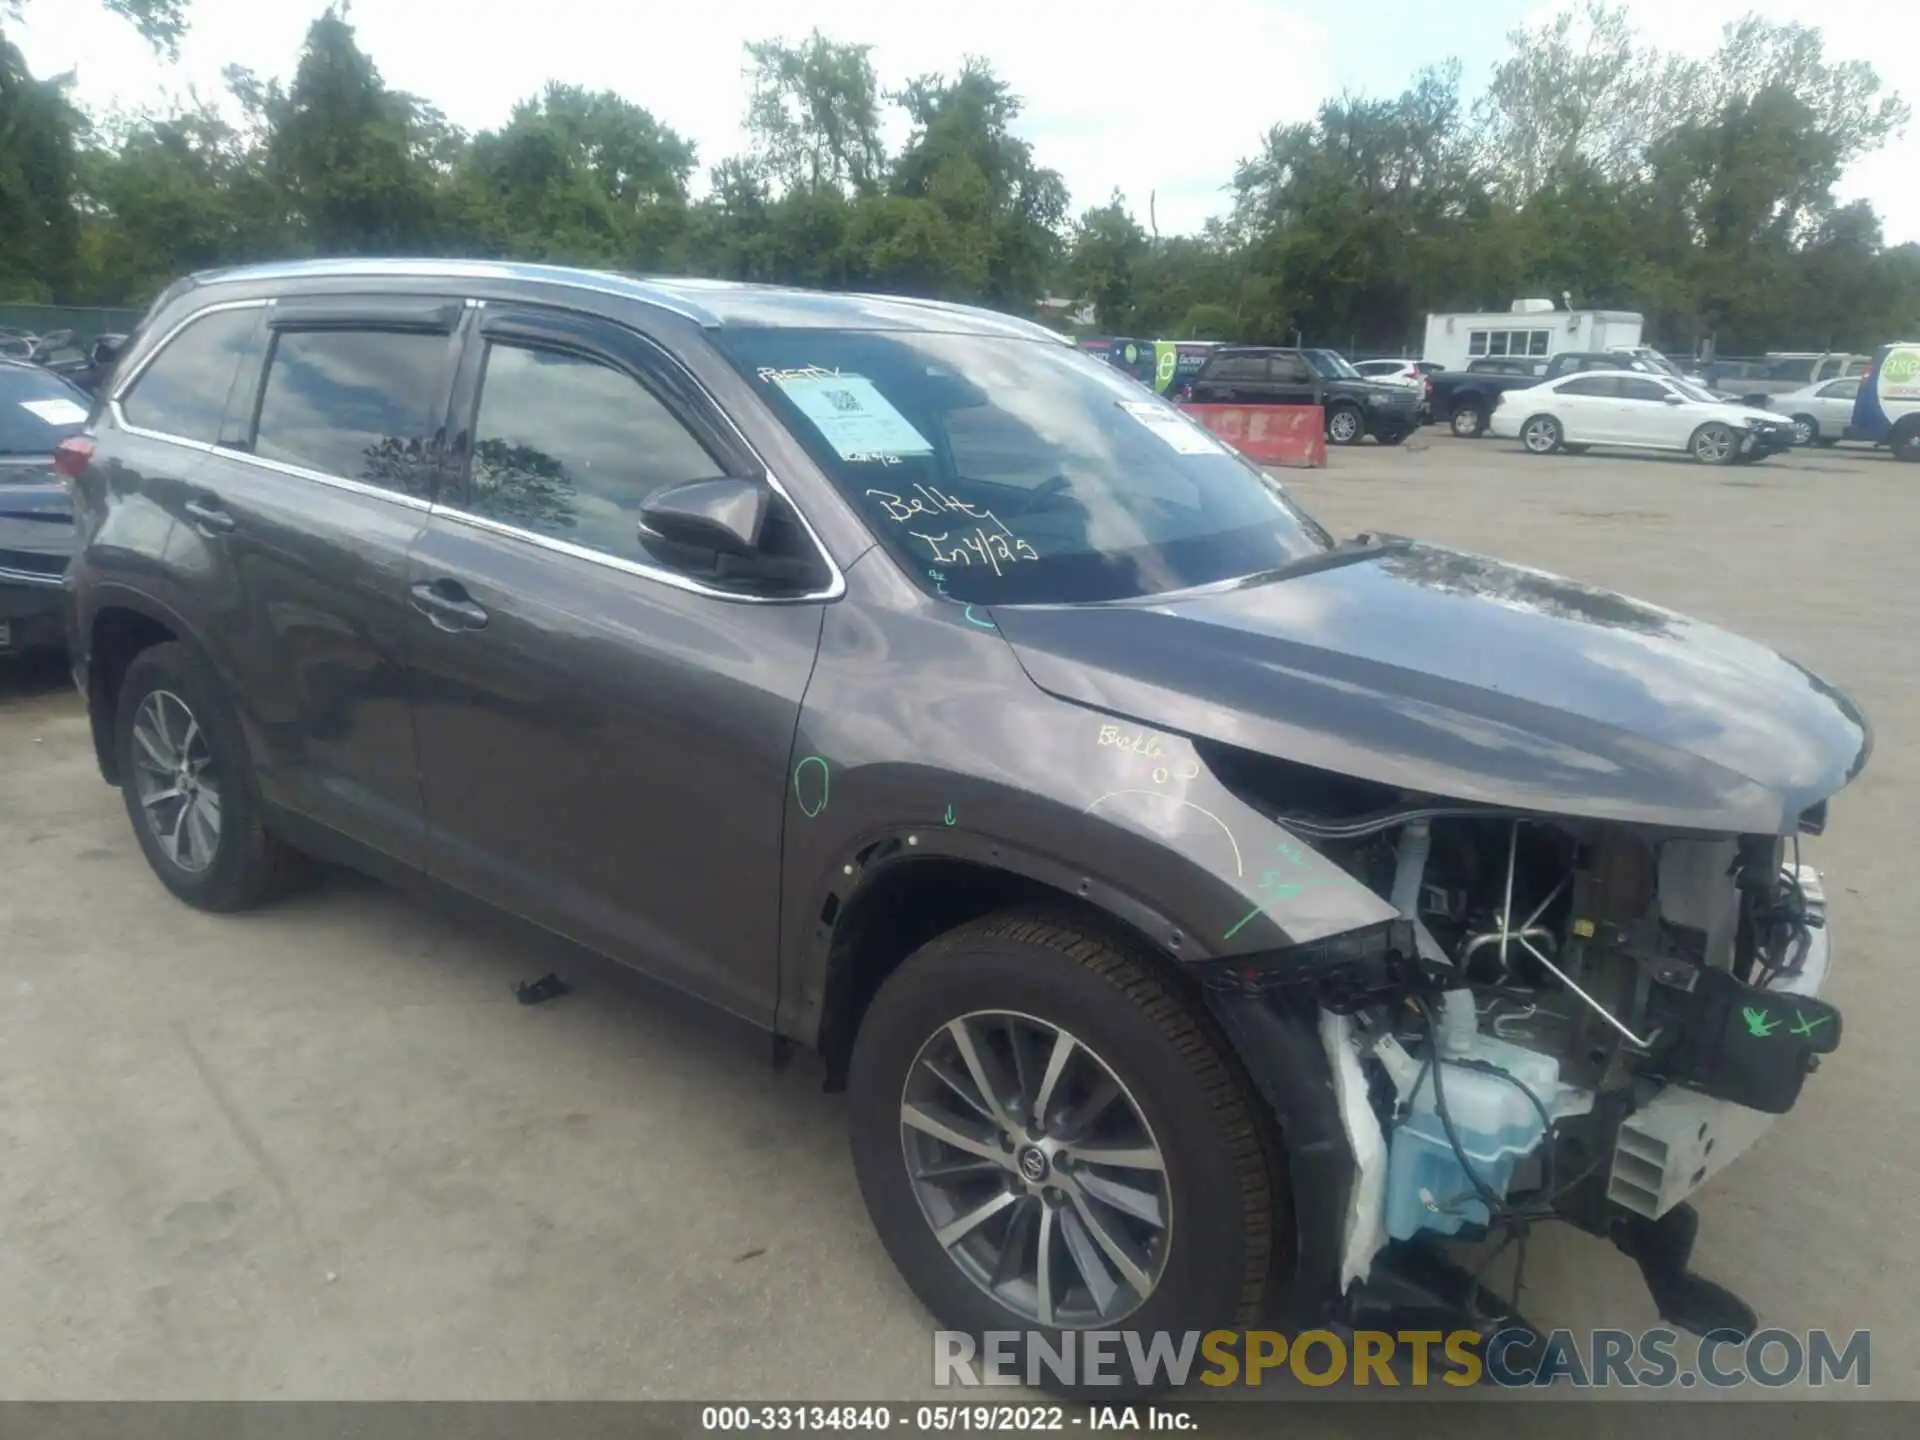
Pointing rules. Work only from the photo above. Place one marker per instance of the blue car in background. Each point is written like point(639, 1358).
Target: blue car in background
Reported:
point(1887, 409)
point(38, 410)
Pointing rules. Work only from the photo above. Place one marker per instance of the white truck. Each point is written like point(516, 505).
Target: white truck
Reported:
point(1529, 329)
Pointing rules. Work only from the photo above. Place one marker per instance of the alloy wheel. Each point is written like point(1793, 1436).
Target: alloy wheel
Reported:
point(1036, 1169)
point(1714, 444)
point(173, 777)
point(1466, 423)
point(1803, 431)
point(1542, 436)
point(1343, 427)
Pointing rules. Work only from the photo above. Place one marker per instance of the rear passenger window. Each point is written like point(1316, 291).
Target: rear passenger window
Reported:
point(567, 447)
point(360, 404)
point(183, 391)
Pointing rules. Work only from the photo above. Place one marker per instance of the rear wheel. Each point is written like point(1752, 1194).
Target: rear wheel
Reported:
point(1542, 435)
point(1467, 420)
point(1905, 442)
point(188, 785)
point(1047, 1138)
point(1345, 426)
point(1714, 444)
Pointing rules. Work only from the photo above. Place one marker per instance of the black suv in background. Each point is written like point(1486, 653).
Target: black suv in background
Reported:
point(1355, 405)
point(892, 675)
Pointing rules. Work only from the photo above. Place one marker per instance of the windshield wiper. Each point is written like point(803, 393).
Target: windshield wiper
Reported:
point(1364, 546)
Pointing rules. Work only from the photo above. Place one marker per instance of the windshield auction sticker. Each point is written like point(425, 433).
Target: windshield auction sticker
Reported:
point(850, 414)
point(57, 411)
point(1182, 434)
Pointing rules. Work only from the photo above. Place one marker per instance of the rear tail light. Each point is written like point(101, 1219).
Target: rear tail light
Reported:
point(72, 456)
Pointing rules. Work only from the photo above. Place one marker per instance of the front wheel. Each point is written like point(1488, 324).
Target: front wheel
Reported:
point(1714, 444)
point(1806, 430)
point(1048, 1138)
point(1344, 425)
point(1542, 435)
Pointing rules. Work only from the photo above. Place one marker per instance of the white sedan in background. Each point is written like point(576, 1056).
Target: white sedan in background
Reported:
point(1638, 411)
point(1820, 412)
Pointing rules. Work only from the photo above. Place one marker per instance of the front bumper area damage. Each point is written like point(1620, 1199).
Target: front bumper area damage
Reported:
point(1571, 1021)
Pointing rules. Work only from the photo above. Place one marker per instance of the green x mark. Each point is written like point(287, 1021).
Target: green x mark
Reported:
point(1804, 1026)
point(1759, 1023)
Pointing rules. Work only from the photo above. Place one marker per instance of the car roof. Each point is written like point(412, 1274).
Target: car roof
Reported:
point(715, 304)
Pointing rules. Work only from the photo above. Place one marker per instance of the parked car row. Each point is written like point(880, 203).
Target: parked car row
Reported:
point(85, 363)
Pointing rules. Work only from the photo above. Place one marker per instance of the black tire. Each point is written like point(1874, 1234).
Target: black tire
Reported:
point(1225, 1189)
point(1905, 441)
point(1714, 444)
point(246, 864)
point(1806, 431)
point(1346, 425)
point(1542, 435)
point(1467, 420)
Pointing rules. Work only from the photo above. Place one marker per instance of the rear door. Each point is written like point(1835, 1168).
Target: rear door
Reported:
point(1231, 380)
point(1291, 380)
point(301, 517)
point(604, 742)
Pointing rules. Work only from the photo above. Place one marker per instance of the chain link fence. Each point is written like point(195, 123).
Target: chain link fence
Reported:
point(83, 320)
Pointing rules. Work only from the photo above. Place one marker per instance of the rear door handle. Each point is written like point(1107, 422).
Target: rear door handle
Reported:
point(447, 604)
point(210, 519)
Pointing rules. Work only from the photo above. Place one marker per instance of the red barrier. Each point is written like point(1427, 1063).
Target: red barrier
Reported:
point(1269, 434)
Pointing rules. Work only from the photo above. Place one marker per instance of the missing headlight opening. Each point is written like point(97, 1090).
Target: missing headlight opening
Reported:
point(1573, 1020)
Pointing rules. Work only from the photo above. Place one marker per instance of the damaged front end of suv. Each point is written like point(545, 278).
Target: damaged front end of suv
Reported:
point(1532, 939)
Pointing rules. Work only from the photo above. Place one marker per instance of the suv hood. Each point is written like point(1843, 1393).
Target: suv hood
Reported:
point(1462, 677)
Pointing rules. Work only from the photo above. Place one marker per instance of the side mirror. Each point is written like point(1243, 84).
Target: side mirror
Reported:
point(719, 517)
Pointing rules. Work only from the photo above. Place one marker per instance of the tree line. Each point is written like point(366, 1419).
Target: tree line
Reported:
point(1593, 169)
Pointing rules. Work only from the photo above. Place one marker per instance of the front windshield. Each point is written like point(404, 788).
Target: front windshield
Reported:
point(1332, 365)
point(1694, 392)
point(1002, 470)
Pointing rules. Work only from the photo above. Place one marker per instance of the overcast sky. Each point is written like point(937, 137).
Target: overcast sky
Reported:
point(1158, 98)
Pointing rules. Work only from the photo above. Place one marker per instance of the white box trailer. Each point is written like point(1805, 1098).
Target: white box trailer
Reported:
point(1529, 329)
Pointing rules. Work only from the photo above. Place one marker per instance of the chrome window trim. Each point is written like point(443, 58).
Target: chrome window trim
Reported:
point(133, 376)
point(835, 587)
point(30, 578)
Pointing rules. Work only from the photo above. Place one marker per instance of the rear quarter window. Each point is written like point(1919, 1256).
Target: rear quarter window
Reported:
point(182, 392)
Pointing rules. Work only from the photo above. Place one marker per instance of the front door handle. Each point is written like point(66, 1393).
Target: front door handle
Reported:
point(447, 604)
point(209, 519)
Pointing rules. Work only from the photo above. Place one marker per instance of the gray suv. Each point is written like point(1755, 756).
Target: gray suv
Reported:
point(1206, 919)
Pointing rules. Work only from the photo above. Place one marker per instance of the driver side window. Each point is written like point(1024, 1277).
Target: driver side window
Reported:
point(569, 448)
point(1634, 388)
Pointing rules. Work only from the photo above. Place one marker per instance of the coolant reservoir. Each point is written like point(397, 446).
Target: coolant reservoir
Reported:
point(1498, 1126)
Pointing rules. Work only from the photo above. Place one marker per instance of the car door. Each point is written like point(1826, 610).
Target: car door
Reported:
point(1644, 416)
point(1833, 406)
point(298, 522)
point(604, 741)
point(1291, 380)
point(1583, 405)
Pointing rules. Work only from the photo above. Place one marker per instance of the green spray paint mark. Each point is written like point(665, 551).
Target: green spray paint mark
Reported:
point(800, 789)
point(948, 817)
point(1803, 1026)
point(973, 619)
point(1760, 1024)
point(1241, 924)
